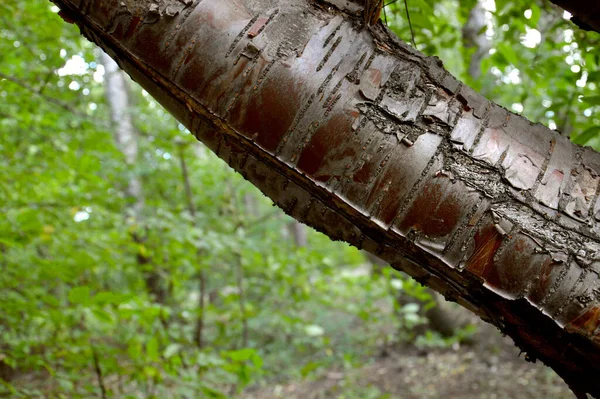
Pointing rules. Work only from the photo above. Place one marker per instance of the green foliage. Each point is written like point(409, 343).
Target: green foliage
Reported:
point(82, 276)
point(78, 310)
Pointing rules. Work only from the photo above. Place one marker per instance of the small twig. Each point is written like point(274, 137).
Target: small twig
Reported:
point(186, 184)
point(45, 82)
point(412, 33)
point(99, 373)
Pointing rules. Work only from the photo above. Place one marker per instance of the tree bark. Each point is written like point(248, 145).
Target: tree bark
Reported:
point(352, 132)
point(586, 13)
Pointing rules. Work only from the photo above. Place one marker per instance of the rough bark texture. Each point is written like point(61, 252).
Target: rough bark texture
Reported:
point(586, 13)
point(354, 133)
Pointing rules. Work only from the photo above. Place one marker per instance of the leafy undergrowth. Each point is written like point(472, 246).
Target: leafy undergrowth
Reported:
point(490, 369)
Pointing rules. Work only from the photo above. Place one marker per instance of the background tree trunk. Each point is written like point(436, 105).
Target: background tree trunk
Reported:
point(126, 137)
point(356, 134)
point(474, 38)
point(442, 317)
point(299, 234)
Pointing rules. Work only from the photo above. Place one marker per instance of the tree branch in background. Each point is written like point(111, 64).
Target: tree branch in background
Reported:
point(299, 233)
point(98, 371)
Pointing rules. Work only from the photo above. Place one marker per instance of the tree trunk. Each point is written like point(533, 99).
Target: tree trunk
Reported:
point(126, 137)
point(199, 333)
point(299, 234)
point(351, 131)
point(473, 33)
point(442, 317)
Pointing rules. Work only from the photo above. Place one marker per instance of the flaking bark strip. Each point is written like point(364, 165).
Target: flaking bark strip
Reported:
point(241, 35)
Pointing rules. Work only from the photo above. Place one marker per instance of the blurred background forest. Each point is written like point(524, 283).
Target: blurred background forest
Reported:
point(135, 264)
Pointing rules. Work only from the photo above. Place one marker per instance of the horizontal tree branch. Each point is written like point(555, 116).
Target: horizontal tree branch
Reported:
point(351, 131)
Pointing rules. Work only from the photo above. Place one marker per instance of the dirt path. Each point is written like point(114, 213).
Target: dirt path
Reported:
point(491, 369)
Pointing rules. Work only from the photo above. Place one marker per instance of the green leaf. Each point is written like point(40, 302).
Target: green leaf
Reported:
point(309, 368)
point(594, 76)
point(79, 295)
point(241, 355)
point(421, 6)
point(134, 350)
point(592, 100)
point(104, 297)
point(535, 14)
point(410, 308)
point(587, 135)
point(213, 393)
point(152, 349)
point(508, 53)
point(421, 20)
point(412, 317)
point(314, 331)
point(103, 315)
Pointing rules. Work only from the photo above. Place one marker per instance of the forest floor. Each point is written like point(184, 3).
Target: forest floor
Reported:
point(490, 368)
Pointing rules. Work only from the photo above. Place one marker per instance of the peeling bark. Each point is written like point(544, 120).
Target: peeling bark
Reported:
point(354, 133)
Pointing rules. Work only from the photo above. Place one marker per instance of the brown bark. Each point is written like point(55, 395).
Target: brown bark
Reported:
point(586, 13)
point(354, 133)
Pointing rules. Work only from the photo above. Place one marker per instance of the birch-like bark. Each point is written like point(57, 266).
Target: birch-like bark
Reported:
point(124, 132)
point(351, 131)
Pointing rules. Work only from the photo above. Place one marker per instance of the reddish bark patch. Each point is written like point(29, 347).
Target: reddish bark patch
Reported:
point(433, 212)
point(518, 267)
point(267, 116)
point(586, 323)
point(329, 149)
point(399, 174)
point(481, 261)
point(257, 26)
